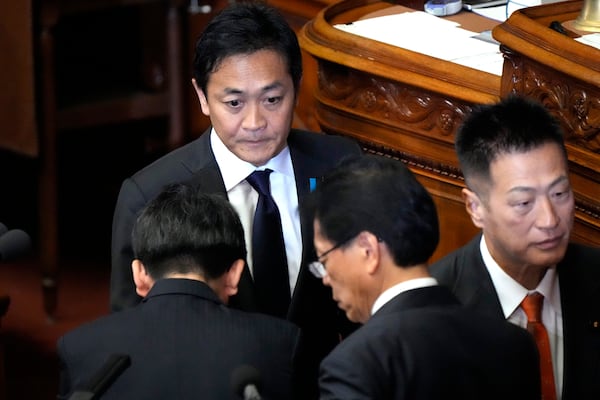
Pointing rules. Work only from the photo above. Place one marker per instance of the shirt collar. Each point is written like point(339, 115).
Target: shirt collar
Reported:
point(510, 292)
point(395, 290)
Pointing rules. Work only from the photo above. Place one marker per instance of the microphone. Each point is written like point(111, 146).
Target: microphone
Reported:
point(246, 382)
point(97, 385)
point(13, 243)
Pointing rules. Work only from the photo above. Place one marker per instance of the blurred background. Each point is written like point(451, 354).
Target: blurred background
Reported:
point(93, 91)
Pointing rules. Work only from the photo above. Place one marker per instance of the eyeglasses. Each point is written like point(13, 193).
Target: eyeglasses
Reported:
point(317, 268)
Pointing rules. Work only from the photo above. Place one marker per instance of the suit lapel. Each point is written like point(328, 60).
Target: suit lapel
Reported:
point(475, 288)
point(309, 292)
point(206, 174)
point(580, 303)
point(306, 167)
point(569, 314)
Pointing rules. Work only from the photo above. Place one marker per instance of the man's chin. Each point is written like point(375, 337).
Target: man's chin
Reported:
point(352, 317)
point(550, 260)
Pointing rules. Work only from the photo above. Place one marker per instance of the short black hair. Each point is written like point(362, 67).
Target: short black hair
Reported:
point(514, 125)
point(245, 28)
point(183, 231)
point(382, 196)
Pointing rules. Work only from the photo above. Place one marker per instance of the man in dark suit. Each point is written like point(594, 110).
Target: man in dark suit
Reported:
point(375, 228)
point(182, 339)
point(518, 192)
point(247, 71)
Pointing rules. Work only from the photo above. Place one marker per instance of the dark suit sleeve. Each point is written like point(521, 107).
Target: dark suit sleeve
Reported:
point(348, 374)
point(122, 287)
point(65, 382)
point(525, 365)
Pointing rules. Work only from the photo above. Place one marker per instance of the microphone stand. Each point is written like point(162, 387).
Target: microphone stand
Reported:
point(110, 371)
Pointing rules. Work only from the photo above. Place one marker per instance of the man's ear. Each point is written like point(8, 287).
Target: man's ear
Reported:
point(368, 244)
point(202, 97)
point(143, 281)
point(474, 206)
point(232, 277)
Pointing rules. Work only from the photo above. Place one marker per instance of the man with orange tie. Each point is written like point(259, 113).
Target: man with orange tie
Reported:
point(523, 267)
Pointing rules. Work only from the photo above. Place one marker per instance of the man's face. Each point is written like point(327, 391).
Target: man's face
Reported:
point(250, 100)
point(527, 215)
point(347, 276)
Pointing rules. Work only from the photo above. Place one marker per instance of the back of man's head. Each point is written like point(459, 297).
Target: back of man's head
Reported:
point(513, 125)
point(382, 196)
point(183, 231)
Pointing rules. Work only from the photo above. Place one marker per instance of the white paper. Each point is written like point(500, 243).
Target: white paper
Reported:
point(497, 13)
point(436, 37)
point(593, 39)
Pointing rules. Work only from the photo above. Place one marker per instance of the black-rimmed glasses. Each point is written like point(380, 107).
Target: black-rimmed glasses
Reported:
point(317, 268)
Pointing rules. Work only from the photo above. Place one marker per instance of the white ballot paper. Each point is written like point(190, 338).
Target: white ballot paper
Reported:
point(592, 39)
point(436, 37)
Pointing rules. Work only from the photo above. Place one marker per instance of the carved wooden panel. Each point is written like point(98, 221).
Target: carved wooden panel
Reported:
point(375, 98)
point(575, 104)
point(403, 117)
point(410, 124)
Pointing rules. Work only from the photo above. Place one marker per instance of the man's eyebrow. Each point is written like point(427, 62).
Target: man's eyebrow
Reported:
point(557, 181)
point(521, 189)
point(229, 90)
point(274, 85)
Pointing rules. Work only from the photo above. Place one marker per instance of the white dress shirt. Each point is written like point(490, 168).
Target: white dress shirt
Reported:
point(244, 198)
point(511, 294)
point(395, 290)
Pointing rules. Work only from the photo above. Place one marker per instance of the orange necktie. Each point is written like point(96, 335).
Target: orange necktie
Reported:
point(532, 305)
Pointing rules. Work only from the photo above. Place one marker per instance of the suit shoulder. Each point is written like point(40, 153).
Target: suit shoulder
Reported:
point(169, 161)
point(580, 253)
point(176, 166)
point(447, 266)
point(450, 264)
point(579, 268)
point(268, 320)
point(322, 142)
point(259, 323)
point(92, 333)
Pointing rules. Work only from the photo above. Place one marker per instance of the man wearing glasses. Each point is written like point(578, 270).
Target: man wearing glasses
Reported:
point(375, 228)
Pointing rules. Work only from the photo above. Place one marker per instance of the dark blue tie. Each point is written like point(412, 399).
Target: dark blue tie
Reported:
point(269, 262)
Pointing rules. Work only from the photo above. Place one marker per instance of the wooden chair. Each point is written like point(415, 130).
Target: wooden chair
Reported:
point(166, 99)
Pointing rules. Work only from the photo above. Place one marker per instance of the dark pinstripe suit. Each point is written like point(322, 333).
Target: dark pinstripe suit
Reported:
point(184, 344)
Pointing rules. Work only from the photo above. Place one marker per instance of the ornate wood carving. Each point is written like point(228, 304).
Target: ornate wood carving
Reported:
point(381, 99)
point(574, 104)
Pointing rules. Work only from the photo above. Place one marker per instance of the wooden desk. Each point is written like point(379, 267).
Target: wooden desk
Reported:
point(407, 105)
point(17, 97)
point(399, 103)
